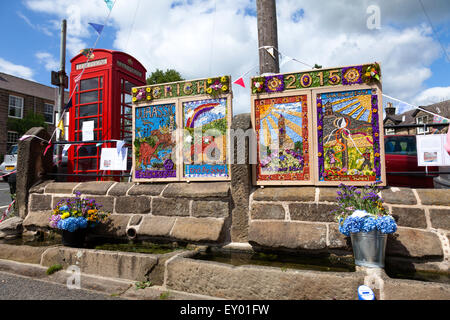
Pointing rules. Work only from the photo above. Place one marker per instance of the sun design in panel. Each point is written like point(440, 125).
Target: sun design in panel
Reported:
point(346, 136)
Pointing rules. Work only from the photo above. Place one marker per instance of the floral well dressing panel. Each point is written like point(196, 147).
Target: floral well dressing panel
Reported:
point(155, 143)
point(348, 136)
point(205, 124)
point(283, 141)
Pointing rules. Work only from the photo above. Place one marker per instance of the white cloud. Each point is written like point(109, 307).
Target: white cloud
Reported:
point(199, 42)
point(50, 63)
point(15, 69)
point(432, 95)
point(40, 28)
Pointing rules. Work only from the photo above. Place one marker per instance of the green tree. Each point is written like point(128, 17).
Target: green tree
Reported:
point(159, 76)
point(29, 121)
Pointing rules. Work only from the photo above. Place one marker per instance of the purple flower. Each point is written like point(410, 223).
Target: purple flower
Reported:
point(275, 83)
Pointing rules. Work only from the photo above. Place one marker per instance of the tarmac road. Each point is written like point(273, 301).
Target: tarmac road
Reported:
point(5, 196)
point(14, 287)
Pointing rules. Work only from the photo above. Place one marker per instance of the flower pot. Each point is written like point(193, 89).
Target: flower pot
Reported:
point(74, 239)
point(369, 248)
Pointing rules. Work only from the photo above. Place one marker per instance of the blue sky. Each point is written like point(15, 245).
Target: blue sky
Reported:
point(202, 38)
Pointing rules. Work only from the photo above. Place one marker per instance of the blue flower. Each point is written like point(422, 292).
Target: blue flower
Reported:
point(386, 224)
point(369, 224)
point(71, 224)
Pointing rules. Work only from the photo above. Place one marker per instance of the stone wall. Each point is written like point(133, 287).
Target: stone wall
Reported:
point(299, 218)
point(196, 212)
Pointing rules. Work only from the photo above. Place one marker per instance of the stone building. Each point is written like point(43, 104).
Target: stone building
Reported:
point(405, 123)
point(18, 97)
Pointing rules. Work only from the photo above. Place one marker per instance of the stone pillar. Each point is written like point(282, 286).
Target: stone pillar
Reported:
point(241, 182)
point(32, 166)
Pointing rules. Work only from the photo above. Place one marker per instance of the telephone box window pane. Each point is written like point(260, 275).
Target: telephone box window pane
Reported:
point(128, 86)
point(87, 97)
point(101, 82)
point(100, 95)
point(87, 164)
point(89, 84)
point(128, 98)
point(89, 110)
point(87, 151)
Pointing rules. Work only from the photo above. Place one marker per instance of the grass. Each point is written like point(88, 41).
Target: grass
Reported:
point(143, 284)
point(164, 295)
point(54, 268)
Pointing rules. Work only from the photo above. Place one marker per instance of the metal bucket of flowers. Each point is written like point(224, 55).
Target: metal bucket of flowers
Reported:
point(361, 216)
point(74, 217)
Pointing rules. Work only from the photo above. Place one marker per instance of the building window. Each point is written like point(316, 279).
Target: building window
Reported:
point(48, 113)
point(15, 108)
point(12, 139)
point(422, 120)
point(390, 131)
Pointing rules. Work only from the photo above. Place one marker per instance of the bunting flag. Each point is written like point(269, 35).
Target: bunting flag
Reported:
point(97, 27)
point(61, 126)
point(447, 142)
point(48, 147)
point(110, 4)
point(88, 53)
point(69, 104)
point(240, 82)
point(270, 50)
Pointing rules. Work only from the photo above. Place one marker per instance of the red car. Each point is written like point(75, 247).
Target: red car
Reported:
point(401, 163)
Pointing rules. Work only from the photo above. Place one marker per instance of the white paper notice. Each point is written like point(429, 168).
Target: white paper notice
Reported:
point(87, 131)
point(430, 150)
point(110, 159)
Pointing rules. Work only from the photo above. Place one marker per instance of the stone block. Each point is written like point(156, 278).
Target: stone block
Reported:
point(394, 289)
point(57, 199)
point(115, 226)
point(267, 211)
point(285, 194)
point(413, 243)
point(291, 235)
point(156, 226)
point(400, 196)
point(23, 253)
point(132, 204)
point(170, 207)
point(146, 190)
point(336, 239)
point(312, 212)
point(94, 187)
point(328, 194)
point(197, 229)
point(40, 188)
point(112, 264)
point(437, 197)
point(39, 202)
point(37, 220)
point(213, 209)
point(135, 220)
point(198, 190)
point(440, 218)
point(409, 217)
point(61, 187)
point(120, 189)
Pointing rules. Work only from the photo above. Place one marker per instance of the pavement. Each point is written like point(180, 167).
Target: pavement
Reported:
point(14, 287)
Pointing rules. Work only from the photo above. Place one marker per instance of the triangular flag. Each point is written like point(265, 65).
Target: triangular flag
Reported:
point(270, 50)
point(240, 82)
point(87, 53)
point(110, 4)
point(69, 104)
point(97, 27)
point(48, 147)
point(61, 127)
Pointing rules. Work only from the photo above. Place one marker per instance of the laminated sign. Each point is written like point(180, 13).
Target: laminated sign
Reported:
point(180, 130)
point(319, 127)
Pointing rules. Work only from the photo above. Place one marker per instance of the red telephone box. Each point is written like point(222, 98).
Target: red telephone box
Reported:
point(103, 95)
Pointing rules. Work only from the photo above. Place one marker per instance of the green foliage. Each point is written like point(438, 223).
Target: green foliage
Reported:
point(159, 76)
point(54, 268)
point(29, 121)
point(164, 295)
point(143, 284)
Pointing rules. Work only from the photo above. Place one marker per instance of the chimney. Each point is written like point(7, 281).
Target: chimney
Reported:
point(390, 110)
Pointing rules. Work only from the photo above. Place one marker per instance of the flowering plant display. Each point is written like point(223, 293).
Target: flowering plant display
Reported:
point(258, 85)
point(216, 86)
point(372, 73)
point(141, 94)
point(72, 214)
point(274, 83)
point(361, 210)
